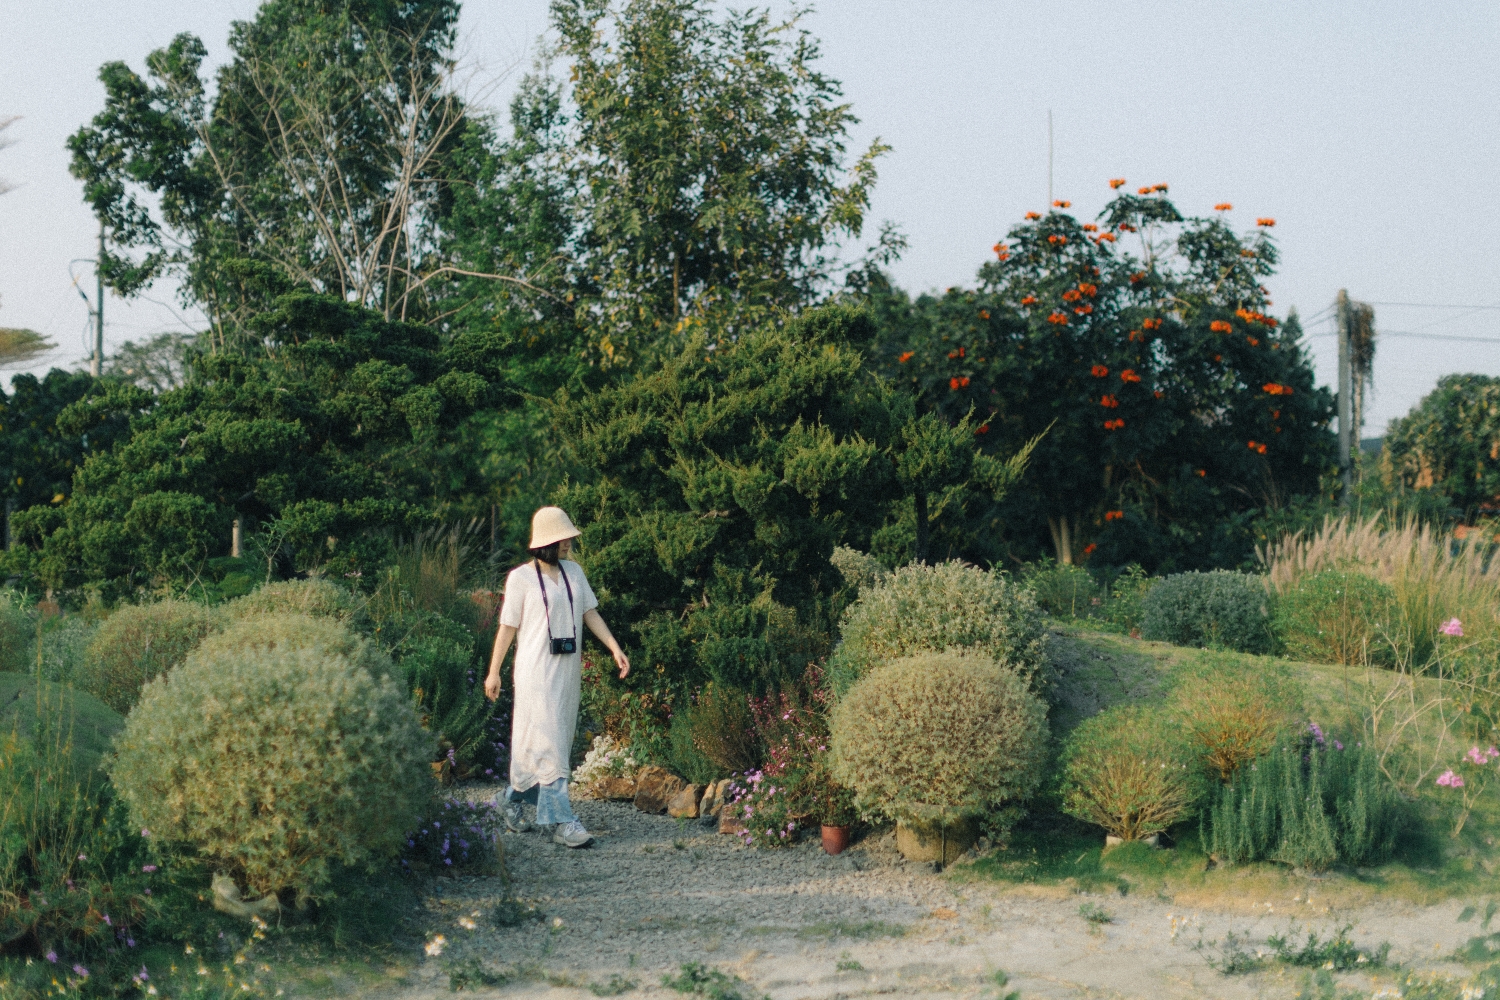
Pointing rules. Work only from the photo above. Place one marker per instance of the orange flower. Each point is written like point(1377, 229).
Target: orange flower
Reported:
point(1106, 238)
point(1125, 227)
point(999, 248)
point(1033, 215)
point(1089, 227)
point(1135, 335)
point(1203, 473)
point(1109, 402)
point(981, 429)
point(1151, 324)
point(1114, 515)
point(1159, 187)
point(1276, 389)
point(1072, 295)
point(1158, 394)
point(1247, 253)
point(1275, 414)
point(1088, 289)
point(952, 355)
point(905, 357)
point(984, 314)
point(1252, 341)
point(1144, 190)
point(1257, 447)
point(1112, 425)
point(958, 382)
point(1029, 300)
point(1223, 206)
point(1218, 357)
point(1117, 183)
point(1138, 277)
point(1129, 375)
point(1062, 204)
point(1054, 238)
point(1099, 371)
point(1219, 326)
point(1084, 310)
point(1088, 549)
point(1061, 319)
point(1266, 223)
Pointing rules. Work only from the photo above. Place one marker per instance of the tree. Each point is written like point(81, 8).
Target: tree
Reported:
point(1177, 406)
point(1449, 444)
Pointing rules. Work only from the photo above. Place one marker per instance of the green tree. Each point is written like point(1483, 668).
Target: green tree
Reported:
point(1177, 407)
point(1449, 444)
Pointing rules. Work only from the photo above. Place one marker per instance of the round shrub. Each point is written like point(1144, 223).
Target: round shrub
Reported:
point(276, 763)
point(140, 642)
point(932, 608)
point(1126, 770)
point(1339, 617)
point(1215, 610)
point(317, 597)
point(939, 737)
point(1231, 713)
point(17, 636)
point(294, 630)
point(1065, 591)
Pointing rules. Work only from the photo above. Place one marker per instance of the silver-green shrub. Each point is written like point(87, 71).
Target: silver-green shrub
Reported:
point(1129, 770)
point(268, 630)
point(140, 642)
point(276, 764)
point(932, 608)
point(317, 597)
point(939, 737)
point(1215, 610)
point(859, 570)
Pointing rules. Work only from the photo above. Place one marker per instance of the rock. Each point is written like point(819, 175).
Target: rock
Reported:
point(654, 788)
point(619, 788)
point(684, 804)
point(730, 824)
point(710, 804)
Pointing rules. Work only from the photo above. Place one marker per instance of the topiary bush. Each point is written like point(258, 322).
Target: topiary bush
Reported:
point(939, 738)
point(1065, 591)
point(270, 630)
point(317, 597)
point(1214, 610)
point(278, 764)
point(1340, 617)
point(17, 636)
point(1127, 770)
point(140, 642)
point(932, 608)
point(1232, 713)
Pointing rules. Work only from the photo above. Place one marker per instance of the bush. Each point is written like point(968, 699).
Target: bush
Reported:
point(1127, 593)
point(278, 763)
point(1231, 714)
point(1215, 610)
point(687, 760)
point(1308, 803)
point(859, 570)
point(939, 737)
point(317, 597)
point(141, 642)
point(1340, 617)
point(932, 608)
point(1127, 771)
point(288, 630)
point(1064, 591)
point(441, 678)
point(453, 837)
point(17, 636)
point(723, 730)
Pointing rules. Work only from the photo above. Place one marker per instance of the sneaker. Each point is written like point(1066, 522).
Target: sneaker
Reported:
point(572, 835)
point(515, 818)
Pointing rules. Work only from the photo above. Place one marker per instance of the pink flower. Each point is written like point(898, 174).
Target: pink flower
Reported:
point(1452, 627)
point(1450, 780)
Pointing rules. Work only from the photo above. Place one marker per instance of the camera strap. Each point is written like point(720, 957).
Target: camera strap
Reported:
point(547, 608)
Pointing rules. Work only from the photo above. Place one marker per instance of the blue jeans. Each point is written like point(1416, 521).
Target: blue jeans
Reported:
point(551, 801)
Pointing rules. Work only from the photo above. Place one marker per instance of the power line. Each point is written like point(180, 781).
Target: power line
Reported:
point(1418, 336)
point(1435, 305)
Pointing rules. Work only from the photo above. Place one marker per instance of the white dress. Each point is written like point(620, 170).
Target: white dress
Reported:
point(547, 686)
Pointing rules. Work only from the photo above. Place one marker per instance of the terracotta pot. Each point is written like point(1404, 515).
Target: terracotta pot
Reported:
point(931, 842)
point(835, 839)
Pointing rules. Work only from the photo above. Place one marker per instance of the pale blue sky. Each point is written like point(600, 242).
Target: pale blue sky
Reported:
point(1370, 131)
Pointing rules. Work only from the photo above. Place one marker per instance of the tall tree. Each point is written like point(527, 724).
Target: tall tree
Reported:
point(1450, 444)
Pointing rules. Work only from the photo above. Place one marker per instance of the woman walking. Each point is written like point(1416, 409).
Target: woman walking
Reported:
point(547, 600)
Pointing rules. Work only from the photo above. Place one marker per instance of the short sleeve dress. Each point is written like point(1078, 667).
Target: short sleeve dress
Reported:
point(547, 685)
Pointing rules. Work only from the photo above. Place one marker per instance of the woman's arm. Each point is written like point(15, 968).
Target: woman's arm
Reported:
point(601, 631)
point(503, 640)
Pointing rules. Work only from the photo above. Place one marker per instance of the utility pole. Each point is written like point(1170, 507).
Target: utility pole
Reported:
point(96, 366)
point(1049, 159)
point(1346, 401)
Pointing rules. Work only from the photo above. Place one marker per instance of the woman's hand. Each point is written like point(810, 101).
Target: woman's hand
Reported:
point(492, 685)
point(622, 661)
point(601, 632)
point(504, 635)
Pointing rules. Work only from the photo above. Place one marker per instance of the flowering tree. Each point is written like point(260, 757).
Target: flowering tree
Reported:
point(1177, 405)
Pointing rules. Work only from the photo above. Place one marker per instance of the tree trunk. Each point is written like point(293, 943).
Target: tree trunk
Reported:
point(1062, 541)
point(919, 501)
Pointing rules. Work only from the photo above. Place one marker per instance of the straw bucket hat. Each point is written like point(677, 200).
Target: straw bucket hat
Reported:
point(551, 524)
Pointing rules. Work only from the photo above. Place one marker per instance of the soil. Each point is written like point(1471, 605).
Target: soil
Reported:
point(653, 893)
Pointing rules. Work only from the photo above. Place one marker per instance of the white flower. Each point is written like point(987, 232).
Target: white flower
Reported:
point(435, 946)
point(467, 923)
point(557, 922)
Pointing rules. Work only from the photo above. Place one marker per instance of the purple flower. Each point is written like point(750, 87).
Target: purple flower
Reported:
point(51, 956)
point(81, 971)
point(108, 921)
point(143, 973)
point(1337, 745)
point(148, 869)
point(145, 832)
point(1450, 780)
point(1452, 627)
point(1317, 734)
point(447, 861)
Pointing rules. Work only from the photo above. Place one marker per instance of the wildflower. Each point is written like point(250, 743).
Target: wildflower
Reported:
point(83, 857)
point(1033, 215)
point(1125, 227)
point(1144, 190)
point(1000, 249)
point(1452, 627)
point(905, 357)
point(1089, 548)
point(1099, 371)
point(1062, 204)
point(1106, 238)
point(1109, 402)
point(557, 922)
point(1113, 425)
point(982, 429)
point(1129, 375)
point(1059, 318)
point(1135, 335)
point(984, 314)
point(1223, 206)
point(1203, 473)
point(81, 970)
point(1151, 324)
point(1138, 277)
point(51, 956)
point(1089, 227)
point(1317, 733)
point(1255, 446)
point(1252, 341)
point(1219, 326)
point(1450, 780)
point(1114, 515)
point(1029, 300)
point(1084, 310)
point(1265, 223)
point(145, 832)
point(958, 383)
point(1159, 187)
point(148, 869)
point(1072, 295)
point(1055, 238)
point(435, 946)
point(1276, 389)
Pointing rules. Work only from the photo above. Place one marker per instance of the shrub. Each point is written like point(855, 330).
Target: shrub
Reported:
point(1122, 608)
point(270, 630)
point(317, 597)
point(938, 737)
point(453, 837)
point(141, 642)
point(1215, 610)
point(933, 608)
point(1063, 590)
point(1232, 714)
point(859, 570)
point(687, 760)
point(17, 636)
point(441, 678)
point(723, 729)
point(277, 763)
point(1340, 617)
point(1310, 803)
point(1127, 771)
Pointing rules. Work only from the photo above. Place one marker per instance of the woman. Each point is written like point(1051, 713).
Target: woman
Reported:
point(546, 600)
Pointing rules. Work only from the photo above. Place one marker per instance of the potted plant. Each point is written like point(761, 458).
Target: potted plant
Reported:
point(832, 803)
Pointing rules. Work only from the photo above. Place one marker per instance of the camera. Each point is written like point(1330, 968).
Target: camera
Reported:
point(561, 646)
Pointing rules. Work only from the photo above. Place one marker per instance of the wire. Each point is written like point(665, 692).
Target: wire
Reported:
point(1418, 336)
point(1434, 305)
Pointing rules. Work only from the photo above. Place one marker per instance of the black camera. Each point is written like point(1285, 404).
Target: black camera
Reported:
point(561, 646)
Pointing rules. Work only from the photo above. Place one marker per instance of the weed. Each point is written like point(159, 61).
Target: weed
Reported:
point(842, 929)
point(1232, 956)
point(512, 912)
point(699, 979)
point(471, 974)
point(617, 984)
point(1337, 953)
point(679, 845)
point(1001, 980)
point(847, 964)
point(1095, 914)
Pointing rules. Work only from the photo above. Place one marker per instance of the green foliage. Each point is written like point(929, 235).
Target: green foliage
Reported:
point(440, 674)
point(1128, 770)
point(932, 608)
point(74, 721)
point(1214, 610)
point(1309, 804)
point(316, 597)
point(1127, 593)
point(711, 984)
point(1448, 445)
point(1336, 616)
point(1338, 952)
point(18, 635)
point(454, 837)
point(1063, 590)
point(859, 570)
point(49, 426)
point(291, 630)
point(140, 642)
point(688, 761)
point(1120, 348)
point(938, 737)
point(1230, 714)
point(308, 762)
point(722, 728)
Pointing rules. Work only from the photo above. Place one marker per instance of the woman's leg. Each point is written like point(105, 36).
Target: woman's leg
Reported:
point(553, 805)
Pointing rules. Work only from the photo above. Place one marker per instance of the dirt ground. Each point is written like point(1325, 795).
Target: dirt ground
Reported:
point(654, 893)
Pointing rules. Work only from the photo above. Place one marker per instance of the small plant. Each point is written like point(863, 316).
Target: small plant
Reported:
point(932, 608)
point(697, 978)
point(607, 757)
point(1233, 715)
point(847, 964)
point(1340, 617)
point(140, 642)
point(1475, 770)
point(1064, 591)
point(722, 728)
point(453, 837)
point(471, 973)
point(1338, 953)
point(17, 636)
point(939, 737)
point(1122, 608)
point(616, 986)
point(1232, 956)
point(1215, 610)
point(1095, 914)
point(512, 912)
point(1128, 771)
point(1000, 981)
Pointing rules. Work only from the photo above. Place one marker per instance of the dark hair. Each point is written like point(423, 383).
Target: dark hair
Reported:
point(547, 553)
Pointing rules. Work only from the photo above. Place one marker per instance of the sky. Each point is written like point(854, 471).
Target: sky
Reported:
point(1369, 132)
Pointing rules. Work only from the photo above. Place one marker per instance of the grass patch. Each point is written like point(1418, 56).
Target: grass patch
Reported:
point(1095, 914)
point(862, 931)
point(699, 979)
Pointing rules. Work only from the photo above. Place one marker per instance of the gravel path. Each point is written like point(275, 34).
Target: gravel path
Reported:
point(653, 893)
